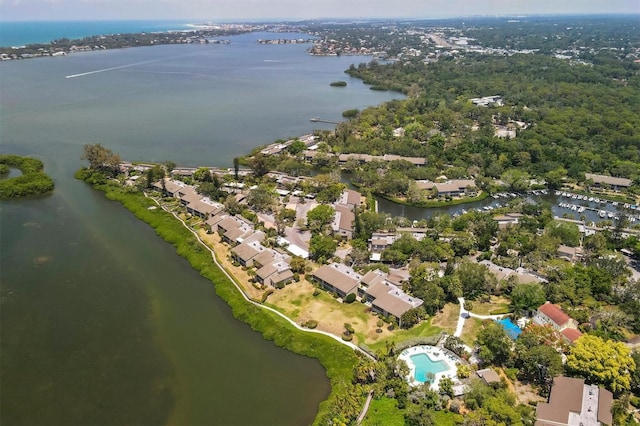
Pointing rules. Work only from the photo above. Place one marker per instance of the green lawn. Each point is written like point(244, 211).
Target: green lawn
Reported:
point(422, 330)
point(470, 330)
point(496, 304)
point(384, 411)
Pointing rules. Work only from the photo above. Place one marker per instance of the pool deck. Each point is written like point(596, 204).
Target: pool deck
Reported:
point(435, 354)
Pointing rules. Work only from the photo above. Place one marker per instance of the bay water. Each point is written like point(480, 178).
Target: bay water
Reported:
point(100, 321)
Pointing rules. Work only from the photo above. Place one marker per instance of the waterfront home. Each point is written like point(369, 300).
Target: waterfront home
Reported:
point(235, 229)
point(614, 183)
point(456, 187)
point(572, 402)
point(275, 274)
point(245, 252)
point(385, 294)
point(337, 278)
point(508, 219)
point(171, 188)
point(350, 198)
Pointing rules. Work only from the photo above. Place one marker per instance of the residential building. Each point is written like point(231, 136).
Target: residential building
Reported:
point(574, 403)
point(337, 278)
point(553, 315)
point(386, 295)
point(569, 253)
point(350, 198)
point(455, 188)
point(508, 219)
point(489, 376)
point(614, 183)
point(343, 221)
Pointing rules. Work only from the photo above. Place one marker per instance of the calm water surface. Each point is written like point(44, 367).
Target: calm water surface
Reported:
point(100, 321)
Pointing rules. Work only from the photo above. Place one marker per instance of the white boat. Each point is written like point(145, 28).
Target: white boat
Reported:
point(581, 209)
point(574, 207)
point(615, 203)
point(590, 198)
point(597, 200)
point(602, 213)
point(610, 214)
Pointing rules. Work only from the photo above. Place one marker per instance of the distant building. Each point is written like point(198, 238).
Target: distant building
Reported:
point(573, 403)
point(614, 183)
point(569, 253)
point(455, 188)
point(487, 101)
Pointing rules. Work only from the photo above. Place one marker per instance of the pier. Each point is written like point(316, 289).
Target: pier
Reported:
point(319, 120)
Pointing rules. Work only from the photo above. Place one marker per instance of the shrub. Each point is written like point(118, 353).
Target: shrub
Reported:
point(511, 373)
point(316, 292)
point(266, 294)
point(347, 337)
point(350, 113)
point(311, 324)
point(351, 297)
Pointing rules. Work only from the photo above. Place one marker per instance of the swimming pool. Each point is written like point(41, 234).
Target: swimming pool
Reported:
point(428, 364)
point(425, 365)
point(512, 330)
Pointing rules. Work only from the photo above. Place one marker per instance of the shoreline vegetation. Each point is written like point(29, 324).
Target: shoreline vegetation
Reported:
point(337, 359)
point(33, 180)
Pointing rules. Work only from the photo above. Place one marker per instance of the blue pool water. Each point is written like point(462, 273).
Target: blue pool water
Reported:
point(425, 365)
point(512, 330)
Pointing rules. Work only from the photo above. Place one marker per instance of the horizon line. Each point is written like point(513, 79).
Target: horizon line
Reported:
point(372, 18)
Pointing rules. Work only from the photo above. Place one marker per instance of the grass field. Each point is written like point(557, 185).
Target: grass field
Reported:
point(448, 318)
point(470, 330)
point(497, 303)
point(424, 329)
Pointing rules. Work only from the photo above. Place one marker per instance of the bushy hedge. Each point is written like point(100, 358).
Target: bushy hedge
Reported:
point(337, 359)
point(32, 181)
point(429, 340)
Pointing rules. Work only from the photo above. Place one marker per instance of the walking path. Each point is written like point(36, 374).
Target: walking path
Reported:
point(215, 260)
point(365, 408)
point(464, 314)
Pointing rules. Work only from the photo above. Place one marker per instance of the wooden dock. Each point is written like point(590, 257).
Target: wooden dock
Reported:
point(319, 120)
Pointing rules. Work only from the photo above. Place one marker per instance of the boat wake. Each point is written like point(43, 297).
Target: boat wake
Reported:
point(110, 69)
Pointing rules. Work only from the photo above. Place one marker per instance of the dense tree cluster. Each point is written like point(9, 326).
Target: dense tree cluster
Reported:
point(32, 181)
point(578, 119)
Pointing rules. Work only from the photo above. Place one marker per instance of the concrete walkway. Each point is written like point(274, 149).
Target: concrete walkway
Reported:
point(365, 408)
point(468, 314)
point(461, 317)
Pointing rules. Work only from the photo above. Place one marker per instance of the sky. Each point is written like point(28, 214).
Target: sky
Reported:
point(229, 10)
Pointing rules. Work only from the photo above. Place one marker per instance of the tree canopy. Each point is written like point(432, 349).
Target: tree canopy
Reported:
point(603, 362)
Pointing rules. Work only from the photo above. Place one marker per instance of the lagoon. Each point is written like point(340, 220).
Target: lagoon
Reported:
point(101, 322)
